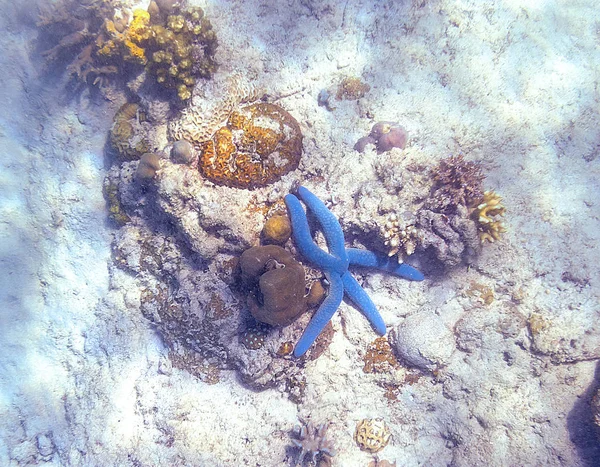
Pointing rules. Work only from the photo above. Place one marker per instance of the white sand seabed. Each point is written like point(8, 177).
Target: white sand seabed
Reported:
point(84, 380)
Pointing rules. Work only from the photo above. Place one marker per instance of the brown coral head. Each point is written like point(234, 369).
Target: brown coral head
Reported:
point(388, 135)
point(276, 282)
point(147, 167)
point(258, 145)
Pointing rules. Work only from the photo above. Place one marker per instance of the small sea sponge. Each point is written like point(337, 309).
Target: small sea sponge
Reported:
point(385, 136)
point(388, 135)
point(372, 435)
point(485, 214)
point(277, 229)
point(147, 167)
point(182, 152)
point(276, 282)
point(258, 145)
point(351, 88)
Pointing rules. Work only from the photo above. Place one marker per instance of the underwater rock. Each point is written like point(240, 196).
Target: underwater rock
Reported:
point(423, 340)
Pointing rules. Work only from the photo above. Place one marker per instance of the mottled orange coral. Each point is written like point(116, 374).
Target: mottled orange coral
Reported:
point(258, 145)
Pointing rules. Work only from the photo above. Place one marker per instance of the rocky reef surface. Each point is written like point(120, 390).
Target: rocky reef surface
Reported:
point(127, 339)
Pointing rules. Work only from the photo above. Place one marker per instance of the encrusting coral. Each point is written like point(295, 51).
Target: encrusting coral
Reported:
point(130, 133)
point(351, 88)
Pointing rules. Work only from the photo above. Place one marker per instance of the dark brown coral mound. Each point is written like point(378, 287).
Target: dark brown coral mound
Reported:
point(276, 282)
point(258, 145)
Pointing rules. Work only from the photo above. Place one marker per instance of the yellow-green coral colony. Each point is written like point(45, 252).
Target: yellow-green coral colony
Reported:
point(175, 49)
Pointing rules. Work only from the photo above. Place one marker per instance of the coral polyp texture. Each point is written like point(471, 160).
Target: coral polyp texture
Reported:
point(258, 145)
point(212, 103)
point(130, 133)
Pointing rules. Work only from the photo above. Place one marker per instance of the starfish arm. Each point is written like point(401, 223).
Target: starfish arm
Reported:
point(334, 236)
point(304, 241)
point(366, 306)
point(366, 258)
point(323, 314)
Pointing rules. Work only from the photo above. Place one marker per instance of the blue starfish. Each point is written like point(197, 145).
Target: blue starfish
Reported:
point(335, 266)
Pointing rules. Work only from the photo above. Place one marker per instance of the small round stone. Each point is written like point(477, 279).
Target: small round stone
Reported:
point(182, 152)
point(277, 229)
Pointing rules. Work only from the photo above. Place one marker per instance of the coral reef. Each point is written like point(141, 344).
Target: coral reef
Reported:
point(175, 46)
point(372, 435)
point(385, 136)
point(313, 444)
point(258, 145)
point(351, 88)
point(457, 182)
point(276, 282)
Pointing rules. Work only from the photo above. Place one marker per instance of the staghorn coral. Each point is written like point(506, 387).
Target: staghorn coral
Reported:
point(258, 145)
point(485, 213)
point(313, 444)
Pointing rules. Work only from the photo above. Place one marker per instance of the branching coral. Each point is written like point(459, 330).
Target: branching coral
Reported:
point(456, 182)
point(175, 48)
point(485, 214)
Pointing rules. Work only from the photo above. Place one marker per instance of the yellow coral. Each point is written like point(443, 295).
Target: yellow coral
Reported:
point(135, 53)
point(485, 215)
point(139, 29)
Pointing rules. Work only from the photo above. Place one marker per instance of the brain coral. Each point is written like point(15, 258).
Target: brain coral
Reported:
point(257, 145)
